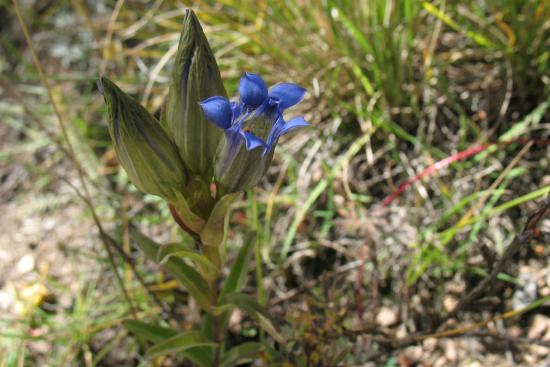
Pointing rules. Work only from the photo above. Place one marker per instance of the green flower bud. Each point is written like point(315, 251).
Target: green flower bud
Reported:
point(195, 77)
point(143, 147)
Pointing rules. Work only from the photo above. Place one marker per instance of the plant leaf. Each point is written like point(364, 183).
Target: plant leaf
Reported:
point(256, 311)
point(214, 232)
point(202, 356)
point(179, 343)
point(191, 279)
point(178, 250)
point(153, 333)
point(194, 222)
point(242, 353)
point(237, 275)
point(146, 244)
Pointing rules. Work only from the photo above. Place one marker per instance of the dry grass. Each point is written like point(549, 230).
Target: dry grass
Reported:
point(394, 88)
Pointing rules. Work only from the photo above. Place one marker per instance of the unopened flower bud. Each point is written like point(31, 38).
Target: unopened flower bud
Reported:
point(195, 78)
point(143, 147)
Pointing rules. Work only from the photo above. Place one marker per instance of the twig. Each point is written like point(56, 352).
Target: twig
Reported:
point(508, 338)
point(510, 251)
point(404, 343)
point(138, 276)
point(72, 155)
point(109, 36)
point(530, 232)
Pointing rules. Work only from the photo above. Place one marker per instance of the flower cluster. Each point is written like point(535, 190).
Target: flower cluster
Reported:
point(202, 138)
point(251, 128)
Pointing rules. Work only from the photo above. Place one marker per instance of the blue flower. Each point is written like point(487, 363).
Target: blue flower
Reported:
point(252, 127)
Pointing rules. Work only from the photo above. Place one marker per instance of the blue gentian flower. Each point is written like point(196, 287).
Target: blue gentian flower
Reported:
point(252, 127)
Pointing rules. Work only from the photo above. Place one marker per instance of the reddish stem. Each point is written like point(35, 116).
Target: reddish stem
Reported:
point(179, 221)
point(453, 158)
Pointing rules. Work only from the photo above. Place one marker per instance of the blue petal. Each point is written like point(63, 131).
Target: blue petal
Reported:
point(252, 89)
point(234, 139)
point(237, 109)
point(217, 110)
point(274, 133)
point(291, 125)
point(252, 141)
point(288, 94)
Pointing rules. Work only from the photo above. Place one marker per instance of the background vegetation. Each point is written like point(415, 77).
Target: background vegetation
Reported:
point(428, 153)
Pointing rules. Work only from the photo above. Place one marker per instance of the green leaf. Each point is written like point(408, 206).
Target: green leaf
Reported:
point(179, 343)
point(201, 356)
point(189, 218)
point(195, 284)
point(234, 282)
point(153, 333)
point(178, 250)
point(478, 38)
point(214, 232)
point(237, 275)
point(243, 353)
point(219, 310)
point(191, 279)
point(146, 244)
point(256, 311)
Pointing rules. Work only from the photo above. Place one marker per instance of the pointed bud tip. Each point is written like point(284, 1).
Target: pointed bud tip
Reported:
point(99, 85)
point(106, 87)
point(190, 19)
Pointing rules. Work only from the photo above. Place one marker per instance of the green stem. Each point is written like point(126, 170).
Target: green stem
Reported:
point(257, 252)
point(216, 330)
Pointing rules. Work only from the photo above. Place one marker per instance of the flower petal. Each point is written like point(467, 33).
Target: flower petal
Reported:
point(252, 141)
point(292, 124)
point(237, 109)
point(288, 94)
point(218, 111)
point(252, 89)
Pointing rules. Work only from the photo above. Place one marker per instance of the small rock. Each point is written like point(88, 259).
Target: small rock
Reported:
point(235, 322)
point(515, 331)
point(449, 303)
point(540, 327)
point(545, 290)
point(538, 350)
point(401, 331)
point(386, 316)
point(451, 352)
point(25, 264)
point(405, 360)
point(524, 296)
point(530, 358)
point(430, 344)
point(49, 224)
point(441, 362)
point(6, 299)
point(4, 256)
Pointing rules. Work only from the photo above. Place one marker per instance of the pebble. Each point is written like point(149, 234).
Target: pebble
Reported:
point(386, 316)
point(449, 303)
point(430, 344)
point(25, 264)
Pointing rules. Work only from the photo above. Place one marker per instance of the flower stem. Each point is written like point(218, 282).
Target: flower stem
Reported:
point(216, 330)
